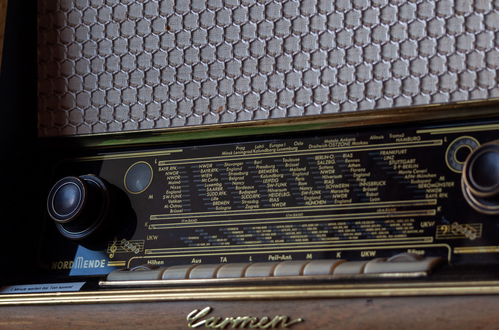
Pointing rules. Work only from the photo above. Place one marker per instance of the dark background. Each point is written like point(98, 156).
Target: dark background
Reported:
point(19, 152)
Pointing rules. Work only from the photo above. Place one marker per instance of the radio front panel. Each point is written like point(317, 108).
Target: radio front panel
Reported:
point(353, 194)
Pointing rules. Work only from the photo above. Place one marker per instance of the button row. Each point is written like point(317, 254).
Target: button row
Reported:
point(401, 264)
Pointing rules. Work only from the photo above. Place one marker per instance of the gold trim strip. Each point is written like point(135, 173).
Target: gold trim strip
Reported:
point(336, 217)
point(414, 114)
point(476, 249)
point(461, 129)
point(329, 242)
point(259, 292)
point(253, 280)
point(265, 211)
point(167, 152)
point(316, 246)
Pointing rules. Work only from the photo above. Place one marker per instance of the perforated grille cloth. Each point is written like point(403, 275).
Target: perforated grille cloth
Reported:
point(117, 65)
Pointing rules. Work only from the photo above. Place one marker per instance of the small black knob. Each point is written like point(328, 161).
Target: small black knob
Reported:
point(79, 205)
point(480, 180)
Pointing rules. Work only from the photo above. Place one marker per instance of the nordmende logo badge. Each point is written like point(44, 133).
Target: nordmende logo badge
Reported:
point(199, 318)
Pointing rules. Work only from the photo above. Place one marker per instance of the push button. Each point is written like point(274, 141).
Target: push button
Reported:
point(261, 269)
point(321, 267)
point(180, 272)
point(402, 263)
point(350, 268)
point(290, 268)
point(232, 270)
point(140, 273)
point(204, 271)
point(405, 264)
point(405, 257)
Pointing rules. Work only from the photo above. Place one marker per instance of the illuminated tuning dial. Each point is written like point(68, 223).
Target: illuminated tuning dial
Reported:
point(79, 205)
point(480, 179)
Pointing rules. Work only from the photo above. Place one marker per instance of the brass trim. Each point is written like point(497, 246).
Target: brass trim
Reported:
point(414, 114)
point(258, 293)
point(239, 280)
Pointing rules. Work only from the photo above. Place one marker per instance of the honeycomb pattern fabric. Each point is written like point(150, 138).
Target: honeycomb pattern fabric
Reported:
point(119, 65)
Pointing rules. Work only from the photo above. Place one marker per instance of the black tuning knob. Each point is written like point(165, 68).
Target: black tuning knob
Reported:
point(79, 205)
point(480, 180)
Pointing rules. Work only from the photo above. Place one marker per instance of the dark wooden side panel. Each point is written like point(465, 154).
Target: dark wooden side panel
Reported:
point(470, 312)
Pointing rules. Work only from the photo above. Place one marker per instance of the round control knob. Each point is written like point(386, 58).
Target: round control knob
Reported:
point(480, 180)
point(78, 205)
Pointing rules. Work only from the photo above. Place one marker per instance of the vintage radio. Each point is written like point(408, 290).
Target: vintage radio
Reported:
point(147, 184)
point(371, 203)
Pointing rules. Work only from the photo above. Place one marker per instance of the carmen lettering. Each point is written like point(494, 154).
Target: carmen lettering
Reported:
point(197, 318)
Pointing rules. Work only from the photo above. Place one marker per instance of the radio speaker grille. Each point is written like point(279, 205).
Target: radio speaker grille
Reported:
point(111, 65)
